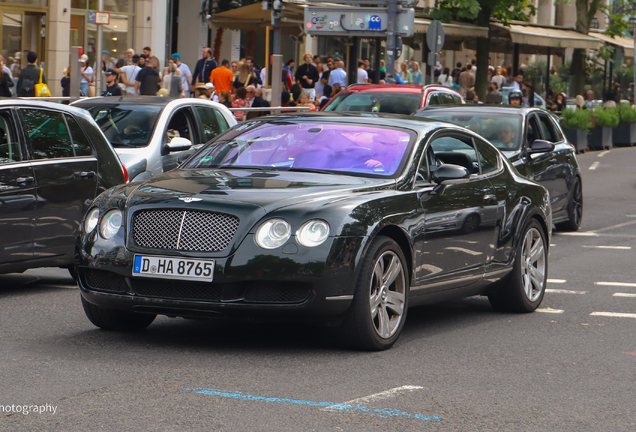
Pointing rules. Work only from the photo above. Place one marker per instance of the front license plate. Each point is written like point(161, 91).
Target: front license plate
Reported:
point(173, 268)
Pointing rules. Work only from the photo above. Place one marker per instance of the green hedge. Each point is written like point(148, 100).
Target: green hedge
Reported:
point(626, 113)
point(606, 117)
point(577, 119)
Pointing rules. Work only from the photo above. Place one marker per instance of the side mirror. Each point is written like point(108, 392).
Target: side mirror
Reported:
point(449, 173)
point(540, 146)
point(179, 144)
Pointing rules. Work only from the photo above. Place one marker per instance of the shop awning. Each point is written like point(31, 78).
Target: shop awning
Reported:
point(553, 37)
point(627, 44)
point(452, 29)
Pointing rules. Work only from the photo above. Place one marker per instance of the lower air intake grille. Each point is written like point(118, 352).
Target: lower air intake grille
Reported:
point(273, 292)
point(100, 280)
point(178, 290)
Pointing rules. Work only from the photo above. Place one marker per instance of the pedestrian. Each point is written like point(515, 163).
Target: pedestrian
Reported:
point(417, 74)
point(336, 88)
point(258, 102)
point(129, 56)
point(204, 67)
point(200, 91)
point(405, 73)
point(112, 86)
point(172, 81)
point(129, 74)
point(65, 82)
point(148, 52)
point(224, 98)
point(307, 76)
point(589, 101)
point(466, 81)
point(303, 101)
point(240, 101)
point(244, 78)
point(29, 76)
point(319, 84)
point(147, 80)
point(363, 76)
point(338, 75)
point(498, 79)
point(107, 62)
point(518, 80)
point(222, 77)
point(254, 70)
point(471, 97)
point(444, 79)
point(87, 74)
point(235, 68)
point(186, 75)
point(5, 80)
point(455, 73)
point(289, 66)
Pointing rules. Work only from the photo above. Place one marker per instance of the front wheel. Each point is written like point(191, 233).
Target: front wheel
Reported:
point(524, 288)
point(380, 301)
point(575, 209)
point(109, 319)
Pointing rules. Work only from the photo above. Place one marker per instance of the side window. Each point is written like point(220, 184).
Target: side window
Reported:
point(456, 99)
point(180, 125)
point(446, 98)
point(532, 132)
point(209, 122)
point(9, 144)
point(434, 100)
point(222, 121)
point(547, 129)
point(81, 145)
point(422, 170)
point(47, 134)
point(488, 157)
point(452, 150)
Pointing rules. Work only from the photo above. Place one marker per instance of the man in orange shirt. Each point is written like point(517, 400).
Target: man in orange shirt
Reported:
point(222, 77)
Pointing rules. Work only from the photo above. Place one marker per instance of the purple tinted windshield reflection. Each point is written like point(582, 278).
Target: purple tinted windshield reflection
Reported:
point(363, 149)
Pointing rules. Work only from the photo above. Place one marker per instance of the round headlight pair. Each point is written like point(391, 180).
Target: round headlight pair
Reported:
point(111, 222)
point(275, 233)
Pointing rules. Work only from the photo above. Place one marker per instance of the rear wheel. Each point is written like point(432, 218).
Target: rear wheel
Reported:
point(575, 209)
point(109, 319)
point(380, 301)
point(524, 288)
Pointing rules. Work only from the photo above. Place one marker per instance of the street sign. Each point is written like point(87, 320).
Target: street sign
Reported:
point(432, 59)
point(435, 36)
point(366, 22)
point(98, 17)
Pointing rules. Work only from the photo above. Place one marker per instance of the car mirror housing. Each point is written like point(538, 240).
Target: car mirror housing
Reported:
point(449, 173)
point(540, 146)
point(179, 144)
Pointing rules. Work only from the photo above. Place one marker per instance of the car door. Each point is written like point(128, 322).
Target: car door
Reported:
point(65, 170)
point(457, 228)
point(182, 124)
point(558, 170)
point(211, 123)
point(17, 194)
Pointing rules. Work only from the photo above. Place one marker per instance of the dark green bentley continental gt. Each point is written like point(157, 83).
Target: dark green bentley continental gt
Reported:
point(345, 220)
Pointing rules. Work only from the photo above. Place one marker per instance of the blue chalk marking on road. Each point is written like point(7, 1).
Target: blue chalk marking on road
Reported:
point(379, 412)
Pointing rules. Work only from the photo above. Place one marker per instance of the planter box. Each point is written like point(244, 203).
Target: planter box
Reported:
point(578, 138)
point(624, 135)
point(600, 138)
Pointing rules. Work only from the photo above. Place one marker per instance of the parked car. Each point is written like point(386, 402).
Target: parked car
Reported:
point(330, 218)
point(392, 98)
point(520, 133)
point(153, 134)
point(54, 161)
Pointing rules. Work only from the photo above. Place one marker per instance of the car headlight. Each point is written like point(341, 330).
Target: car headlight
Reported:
point(273, 233)
point(91, 220)
point(111, 224)
point(313, 233)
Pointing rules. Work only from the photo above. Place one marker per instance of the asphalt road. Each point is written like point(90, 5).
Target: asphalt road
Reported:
point(458, 366)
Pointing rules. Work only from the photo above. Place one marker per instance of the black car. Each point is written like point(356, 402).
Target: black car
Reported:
point(54, 161)
point(342, 219)
point(520, 133)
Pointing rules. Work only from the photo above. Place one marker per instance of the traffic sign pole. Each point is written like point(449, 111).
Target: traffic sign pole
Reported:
point(97, 73)
point(391, 39)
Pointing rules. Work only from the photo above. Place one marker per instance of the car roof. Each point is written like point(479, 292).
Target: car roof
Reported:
point(127, 100)
point(34, 103)
point(393, 88)
point(493, 109)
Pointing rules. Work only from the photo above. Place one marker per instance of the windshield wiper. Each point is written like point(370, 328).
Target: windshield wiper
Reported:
point(311, 170)
point(254, 167)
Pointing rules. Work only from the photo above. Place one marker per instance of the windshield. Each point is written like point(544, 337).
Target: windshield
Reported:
point(501, 129)
point(375, 101)
point(126, 125)
point(310, 147)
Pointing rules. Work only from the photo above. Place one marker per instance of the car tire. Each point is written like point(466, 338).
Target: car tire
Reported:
point(523, 289)
point(109, 319)
point(575, 209)
point(470, 224)
point(378, 312)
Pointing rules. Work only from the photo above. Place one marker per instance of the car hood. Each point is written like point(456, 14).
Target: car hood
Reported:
point(270, 190)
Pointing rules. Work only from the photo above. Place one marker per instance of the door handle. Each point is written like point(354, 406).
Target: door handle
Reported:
point(490, 198)
point(24, 180)
point(85, 174)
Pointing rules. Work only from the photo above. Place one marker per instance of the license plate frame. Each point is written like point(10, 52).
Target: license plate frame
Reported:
point(168, 267)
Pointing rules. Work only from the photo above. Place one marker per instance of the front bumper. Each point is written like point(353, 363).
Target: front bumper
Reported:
point(289, 282)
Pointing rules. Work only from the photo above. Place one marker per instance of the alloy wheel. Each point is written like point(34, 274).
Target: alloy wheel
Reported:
point(533, 264)
point(577, 204)
point(387, 294)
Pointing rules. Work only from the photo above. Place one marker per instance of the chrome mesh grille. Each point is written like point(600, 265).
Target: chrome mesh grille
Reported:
point(185, 230)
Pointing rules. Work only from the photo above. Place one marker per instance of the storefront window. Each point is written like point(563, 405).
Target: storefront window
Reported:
point(12, 41)
point(78, 4)
point(124, 6)
point(26, 2)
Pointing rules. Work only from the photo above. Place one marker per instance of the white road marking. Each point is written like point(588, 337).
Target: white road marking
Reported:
point(552, 245)
point(610, 247)
point(559, 281)
point(603, 153)
point(623, 295)
point(594, 165)
point(378, 396)
point(562, 291)
point(614, 314)
point(579, 234)
point(549, 310)
point(468, 251)
point(623, 284)
point(611, 227)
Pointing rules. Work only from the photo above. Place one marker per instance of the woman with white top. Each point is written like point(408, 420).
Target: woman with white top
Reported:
point(498, 79)
point(445, 78)
point(87, 74)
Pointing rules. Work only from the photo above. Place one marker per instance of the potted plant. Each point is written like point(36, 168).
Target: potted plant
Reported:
point(625, 133)
point(576, 123)
point(601, 135)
